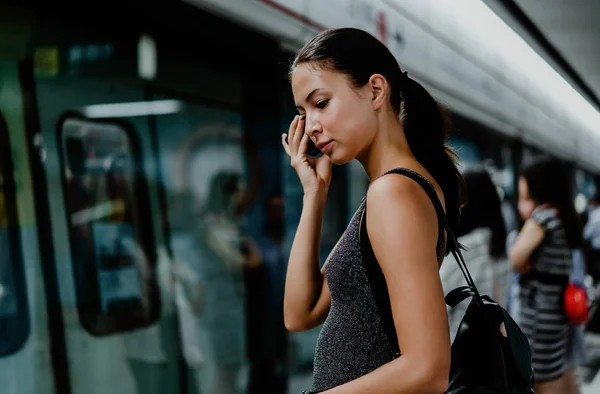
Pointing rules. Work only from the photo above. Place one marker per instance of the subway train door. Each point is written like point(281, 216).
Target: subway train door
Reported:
point(25, 343)
point(113, 272)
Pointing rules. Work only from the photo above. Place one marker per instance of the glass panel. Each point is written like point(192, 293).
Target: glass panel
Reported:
point(111, 241)
point(205, 171)
point(14, 317)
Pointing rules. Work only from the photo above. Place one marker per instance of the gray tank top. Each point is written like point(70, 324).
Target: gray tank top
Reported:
point(353, 341)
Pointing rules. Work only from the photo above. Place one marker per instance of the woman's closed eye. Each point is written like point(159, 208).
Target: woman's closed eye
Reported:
point(322, 104)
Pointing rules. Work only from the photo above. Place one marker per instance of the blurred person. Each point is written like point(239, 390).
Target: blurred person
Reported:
point(355, 102)
point(186, 283)
point(508, 213)
point(577, 355)
point(592, 246)
point(150, 352)
point(542, 254)
point(267, 336)
point(223, 252)
point(513, 304)
point(482, 232)
point(591, 235)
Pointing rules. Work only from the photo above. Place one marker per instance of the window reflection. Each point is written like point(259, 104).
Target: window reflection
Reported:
point(14, 316)
point(208, 189)
point(8, 298)
point(111, 237)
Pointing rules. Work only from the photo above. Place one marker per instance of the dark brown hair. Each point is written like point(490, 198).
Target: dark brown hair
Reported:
point(483, 209)
point(550, 182)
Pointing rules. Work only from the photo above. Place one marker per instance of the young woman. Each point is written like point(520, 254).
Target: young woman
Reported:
point(356, 103)
point(542, 254)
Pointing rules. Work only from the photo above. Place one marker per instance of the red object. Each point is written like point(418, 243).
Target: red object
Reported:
point(576, 304)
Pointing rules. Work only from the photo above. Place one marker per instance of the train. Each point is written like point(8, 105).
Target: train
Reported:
point(117, 120)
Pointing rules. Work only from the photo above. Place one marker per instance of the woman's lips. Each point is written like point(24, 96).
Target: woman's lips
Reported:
point(324, 146)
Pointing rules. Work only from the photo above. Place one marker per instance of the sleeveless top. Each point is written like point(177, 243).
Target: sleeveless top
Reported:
point(353, 341)
point(543, 318)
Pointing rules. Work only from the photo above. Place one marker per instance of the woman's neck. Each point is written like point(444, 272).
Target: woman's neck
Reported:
point(389, 149)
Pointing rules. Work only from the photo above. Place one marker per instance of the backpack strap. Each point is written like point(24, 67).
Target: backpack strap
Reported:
point(375, 275)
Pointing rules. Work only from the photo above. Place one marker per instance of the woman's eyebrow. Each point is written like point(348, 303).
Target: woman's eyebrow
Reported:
point(308, 97)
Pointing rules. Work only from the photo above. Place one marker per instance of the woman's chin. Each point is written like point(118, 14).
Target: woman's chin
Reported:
point(338, 159)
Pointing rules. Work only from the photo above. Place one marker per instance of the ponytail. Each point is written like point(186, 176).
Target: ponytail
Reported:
point(427, 127)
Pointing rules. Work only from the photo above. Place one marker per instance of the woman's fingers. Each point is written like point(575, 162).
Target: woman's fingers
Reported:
point(294, 138)
point(299, 132)
point(304, 143)
point(292, 133)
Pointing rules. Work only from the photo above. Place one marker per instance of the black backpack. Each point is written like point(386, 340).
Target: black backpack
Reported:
point(483, 360)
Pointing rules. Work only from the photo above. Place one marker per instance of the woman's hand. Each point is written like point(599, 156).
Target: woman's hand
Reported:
point(253, 255)
point(314, 174)
point(531, 236)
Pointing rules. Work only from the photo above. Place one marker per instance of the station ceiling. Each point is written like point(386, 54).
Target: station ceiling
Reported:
point(565, 33)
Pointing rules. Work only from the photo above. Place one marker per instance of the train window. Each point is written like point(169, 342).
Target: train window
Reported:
point(14, 316)
point(110, 226)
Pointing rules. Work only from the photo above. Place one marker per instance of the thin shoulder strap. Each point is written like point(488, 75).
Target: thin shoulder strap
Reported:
point(373, 270)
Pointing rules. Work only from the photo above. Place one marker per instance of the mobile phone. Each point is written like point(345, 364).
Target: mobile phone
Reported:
point(312, 151)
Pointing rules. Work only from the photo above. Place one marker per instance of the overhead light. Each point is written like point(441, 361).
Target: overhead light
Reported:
point(481, 24)
point(146, 57)
point(138, 108)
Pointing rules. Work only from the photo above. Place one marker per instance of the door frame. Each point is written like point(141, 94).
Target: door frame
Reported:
point(35, 152)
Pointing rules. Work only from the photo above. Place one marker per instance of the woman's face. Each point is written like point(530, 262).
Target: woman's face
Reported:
point(526, 204)
point(340, 119)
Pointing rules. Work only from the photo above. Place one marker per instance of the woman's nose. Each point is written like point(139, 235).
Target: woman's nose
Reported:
point(311, 127)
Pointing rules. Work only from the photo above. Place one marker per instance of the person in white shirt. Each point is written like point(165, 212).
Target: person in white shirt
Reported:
point(482, 232)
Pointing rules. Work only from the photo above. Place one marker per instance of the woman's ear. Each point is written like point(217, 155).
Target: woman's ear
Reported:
point(379, 90)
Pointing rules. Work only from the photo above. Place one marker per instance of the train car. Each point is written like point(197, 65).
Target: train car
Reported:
point(140, 142)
